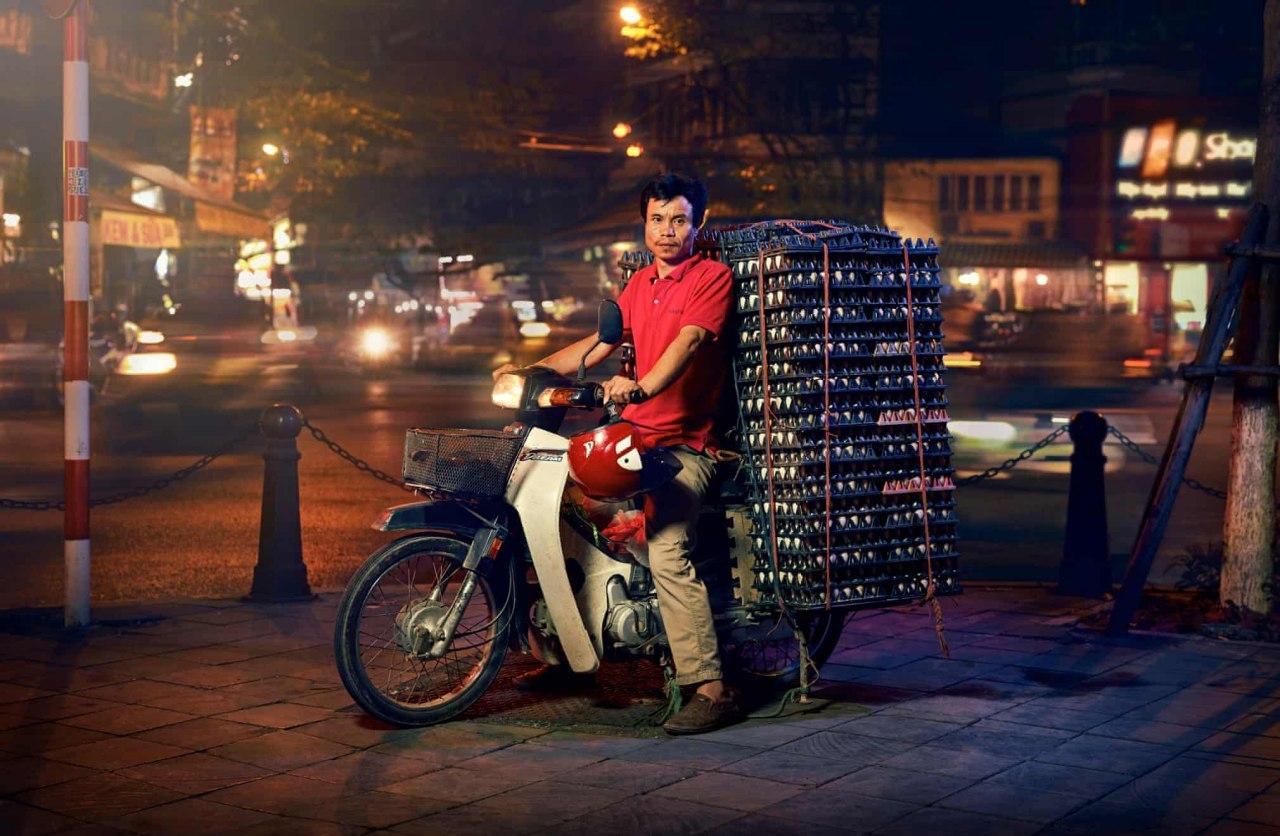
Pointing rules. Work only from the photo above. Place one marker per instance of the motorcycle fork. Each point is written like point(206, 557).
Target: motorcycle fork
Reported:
point(485, 546)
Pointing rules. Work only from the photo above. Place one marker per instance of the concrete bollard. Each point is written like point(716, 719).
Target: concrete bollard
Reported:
point(280, 574)
point(1086, 559)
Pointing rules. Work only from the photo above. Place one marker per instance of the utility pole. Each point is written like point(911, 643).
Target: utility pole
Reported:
point(1249, 528)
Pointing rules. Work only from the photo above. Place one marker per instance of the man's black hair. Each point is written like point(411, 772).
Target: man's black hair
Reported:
point(666, 187)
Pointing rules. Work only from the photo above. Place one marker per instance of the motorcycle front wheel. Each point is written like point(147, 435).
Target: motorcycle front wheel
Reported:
point(401, 593)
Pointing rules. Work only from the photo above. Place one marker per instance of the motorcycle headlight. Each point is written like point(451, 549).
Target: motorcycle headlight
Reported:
point(508, 391)
point(375, 342)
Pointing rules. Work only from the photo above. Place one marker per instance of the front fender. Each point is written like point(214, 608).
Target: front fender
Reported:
point(449, 515)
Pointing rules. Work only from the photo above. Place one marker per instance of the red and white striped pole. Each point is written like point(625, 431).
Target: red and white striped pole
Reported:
point(75, 285)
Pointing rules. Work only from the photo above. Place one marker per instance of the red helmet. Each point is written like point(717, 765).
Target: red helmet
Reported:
point(608, 463)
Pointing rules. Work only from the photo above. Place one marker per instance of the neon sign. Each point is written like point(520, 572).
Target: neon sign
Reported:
point(1182, 190)
point(1153, 149)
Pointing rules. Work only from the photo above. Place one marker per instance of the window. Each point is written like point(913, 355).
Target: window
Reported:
point(980, 194)
point(962, 193)
point(997, 193)
point(1015, 193)
point(1036, 230)
point(944, 193)
point(1033, 192)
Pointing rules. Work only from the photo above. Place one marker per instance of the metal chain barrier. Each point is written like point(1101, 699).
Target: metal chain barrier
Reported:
point(121, 496)
point(1132, 446)
point(1010, 464)
point(358, 463)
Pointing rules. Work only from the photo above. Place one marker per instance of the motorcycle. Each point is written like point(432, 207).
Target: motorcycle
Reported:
point(495, 558)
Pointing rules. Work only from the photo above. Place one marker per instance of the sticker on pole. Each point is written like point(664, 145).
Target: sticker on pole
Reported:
point(78, 182)
point(58, 8)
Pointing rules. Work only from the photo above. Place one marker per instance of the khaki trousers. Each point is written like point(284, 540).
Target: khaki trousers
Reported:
point(682, 597)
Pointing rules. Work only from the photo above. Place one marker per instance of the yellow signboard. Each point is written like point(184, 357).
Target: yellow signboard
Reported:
point(129, 229)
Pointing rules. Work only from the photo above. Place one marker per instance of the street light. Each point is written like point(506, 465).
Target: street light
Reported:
point(270, 149)
point(621, 129)
point(630, 15)
point(635, 150)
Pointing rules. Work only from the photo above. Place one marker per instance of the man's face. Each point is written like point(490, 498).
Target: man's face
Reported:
point(669, 230)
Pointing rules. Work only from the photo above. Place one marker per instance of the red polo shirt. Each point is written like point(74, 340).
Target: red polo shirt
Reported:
point(697, 292)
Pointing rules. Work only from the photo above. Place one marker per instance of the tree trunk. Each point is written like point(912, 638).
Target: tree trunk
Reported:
point(1249, 530)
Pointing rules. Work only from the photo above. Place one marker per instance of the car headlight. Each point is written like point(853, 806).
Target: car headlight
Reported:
point(151, 362)
point(508, 391)
point(150, 337)
point(375, 342)
point(534, 330)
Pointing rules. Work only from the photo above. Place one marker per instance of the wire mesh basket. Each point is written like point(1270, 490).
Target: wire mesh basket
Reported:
point(468, 462)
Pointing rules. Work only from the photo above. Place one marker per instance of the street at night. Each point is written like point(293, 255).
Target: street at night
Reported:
point(591, 417)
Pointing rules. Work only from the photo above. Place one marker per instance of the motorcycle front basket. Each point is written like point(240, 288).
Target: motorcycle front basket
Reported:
point(475, 463)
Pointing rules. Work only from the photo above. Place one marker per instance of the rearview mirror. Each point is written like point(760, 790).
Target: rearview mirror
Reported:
point(609, 329)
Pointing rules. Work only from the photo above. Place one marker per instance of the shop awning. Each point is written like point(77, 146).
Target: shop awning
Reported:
point(1057, 254)
point(213, 214)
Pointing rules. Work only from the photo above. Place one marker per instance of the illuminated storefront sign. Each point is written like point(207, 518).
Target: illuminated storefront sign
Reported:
point(1161, 146)
point(1182, 190)
point(126, 229)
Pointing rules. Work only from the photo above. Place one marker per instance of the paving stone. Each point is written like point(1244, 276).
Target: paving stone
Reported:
point(956, 823)
point(1107, 817)
point(293, 796)
point(282, 750)
point(648, 816)
point(334, 699)
point(1129, 757)
point(201, 733)
point(22, 773)
point(736, 792)
point(142, 692)
point(965, 764)
point(43, 737)
point(1231, 827)
point(929, 674)
point(1049, 716)
point(545, 760)
point(1232, 776)
point(890, 727)
point(11, 692)
point(147, 667)
point(1003, 740)
point(281, 715)
point(128, 719)
point(272, 689)
point(98, 797)
point(1204, 707)
point(441, 745)
point(758, 824)
point(460, 786)
point(358, 730)
point(1262, 809)
point(209, 676)
point(695, 754)
point(505, 732)
point(850, 748)
point(1164, 797)
point(57, 707)
point(920, 788)
point(1049, 777)
point(606, 746)
point(364, 770)
point(195, 773)
point(791, 769)
point(115, 753)
point(836, 809)
point(1245, 745)
point(1010, 801)
point(949, 708)
point(627, 776)
point(885, 654)
point(13, 721)
point(24, 820)
point(1152, 731)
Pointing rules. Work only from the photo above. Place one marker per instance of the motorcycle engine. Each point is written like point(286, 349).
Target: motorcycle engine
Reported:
point(630, 624)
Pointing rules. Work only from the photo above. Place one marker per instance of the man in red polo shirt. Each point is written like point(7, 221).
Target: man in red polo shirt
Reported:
point(675, 312)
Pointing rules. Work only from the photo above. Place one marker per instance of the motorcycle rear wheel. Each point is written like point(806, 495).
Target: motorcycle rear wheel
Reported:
point(768, 655)
point(393, 588)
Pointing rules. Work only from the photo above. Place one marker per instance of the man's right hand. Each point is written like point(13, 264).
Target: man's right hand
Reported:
point(503, 369)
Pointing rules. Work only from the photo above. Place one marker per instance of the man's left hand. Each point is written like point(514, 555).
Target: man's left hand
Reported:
point(623, 390)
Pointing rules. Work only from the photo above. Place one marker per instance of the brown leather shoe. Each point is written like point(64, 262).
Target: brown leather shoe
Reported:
point(555, 679)
point(702, 714)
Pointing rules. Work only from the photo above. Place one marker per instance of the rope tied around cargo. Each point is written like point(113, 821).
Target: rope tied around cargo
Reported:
point(930, 593)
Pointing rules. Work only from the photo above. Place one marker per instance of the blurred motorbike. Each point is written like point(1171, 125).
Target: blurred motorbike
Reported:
point(128, 350)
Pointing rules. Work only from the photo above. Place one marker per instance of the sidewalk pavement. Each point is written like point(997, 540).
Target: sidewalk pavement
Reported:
point(228, 717)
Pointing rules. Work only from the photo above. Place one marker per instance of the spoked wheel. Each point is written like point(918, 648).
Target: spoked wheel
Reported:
point(386, 637)
point(768, 652)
